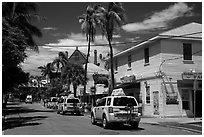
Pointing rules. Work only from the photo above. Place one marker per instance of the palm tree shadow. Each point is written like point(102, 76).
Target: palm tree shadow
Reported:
point(11, 123)
point(121, 127)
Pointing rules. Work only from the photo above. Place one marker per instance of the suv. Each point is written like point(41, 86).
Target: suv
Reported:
point(28, 99)
point(116, 109)
point(71, 105)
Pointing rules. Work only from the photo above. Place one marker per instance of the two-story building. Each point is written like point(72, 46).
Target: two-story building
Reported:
point(164, 73)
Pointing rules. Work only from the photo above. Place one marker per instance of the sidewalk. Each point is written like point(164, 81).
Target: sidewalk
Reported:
point(181, 120)
point(157, 120)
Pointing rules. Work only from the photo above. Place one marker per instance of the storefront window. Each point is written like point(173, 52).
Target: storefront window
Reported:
point(148, 94)
point(185, 99)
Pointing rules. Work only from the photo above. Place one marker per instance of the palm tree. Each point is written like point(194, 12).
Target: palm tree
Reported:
point(46, 71)
point(88, 26)
point(20, 14)
point(73, 74)
point(109, 19)
point(61, 60)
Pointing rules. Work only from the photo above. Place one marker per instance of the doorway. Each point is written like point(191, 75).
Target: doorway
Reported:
point(156, 102)
point(198, 103)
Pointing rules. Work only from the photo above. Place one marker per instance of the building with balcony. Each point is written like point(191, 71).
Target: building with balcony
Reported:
point(164, 73)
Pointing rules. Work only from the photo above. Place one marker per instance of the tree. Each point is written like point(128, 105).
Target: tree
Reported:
point(21, 14)
point(61, 60)
point(46, 70)
point(109, 19)
point(73, 74)
point(17, 33)
point(88, 26)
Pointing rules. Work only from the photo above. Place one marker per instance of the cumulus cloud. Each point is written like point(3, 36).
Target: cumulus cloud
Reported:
point(160, 20)
point(34, 60)
point(74, 40)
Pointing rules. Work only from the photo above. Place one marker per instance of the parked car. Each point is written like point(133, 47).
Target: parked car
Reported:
point(69, 105)
point(53, 103)
point(29, 99)
point(116, 109)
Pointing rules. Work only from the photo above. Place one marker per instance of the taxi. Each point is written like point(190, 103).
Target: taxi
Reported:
point(117, 108)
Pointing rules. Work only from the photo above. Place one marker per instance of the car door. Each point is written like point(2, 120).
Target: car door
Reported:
point(100, 108)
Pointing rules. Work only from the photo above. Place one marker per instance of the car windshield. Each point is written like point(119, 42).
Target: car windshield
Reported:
point(124, 101)
point(72, 101)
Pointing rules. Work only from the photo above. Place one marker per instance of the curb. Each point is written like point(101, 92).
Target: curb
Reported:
point(182, 128)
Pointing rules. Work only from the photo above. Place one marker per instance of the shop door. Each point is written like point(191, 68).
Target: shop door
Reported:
point(156, 102)
point(198, 103)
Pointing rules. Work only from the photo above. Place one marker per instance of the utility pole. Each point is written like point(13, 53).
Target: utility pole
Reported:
point(194, 90)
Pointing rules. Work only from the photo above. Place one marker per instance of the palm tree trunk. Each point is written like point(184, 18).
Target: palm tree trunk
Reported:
point(111, 64)
point(87, 59)
point(75, 89)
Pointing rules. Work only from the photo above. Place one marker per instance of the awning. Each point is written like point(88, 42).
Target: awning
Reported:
point(128, 85)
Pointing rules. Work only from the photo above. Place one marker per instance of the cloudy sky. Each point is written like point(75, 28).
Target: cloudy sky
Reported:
point(62, 30)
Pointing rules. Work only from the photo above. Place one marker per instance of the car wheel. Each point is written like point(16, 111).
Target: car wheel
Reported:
point(135, 125)
point(105, 122)
point(93, 121)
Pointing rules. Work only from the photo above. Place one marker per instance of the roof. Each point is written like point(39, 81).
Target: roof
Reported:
point(189, 31)
point(92, 68)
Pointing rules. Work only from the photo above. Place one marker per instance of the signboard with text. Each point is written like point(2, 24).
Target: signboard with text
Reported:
point(191, 76)
point(127, 79)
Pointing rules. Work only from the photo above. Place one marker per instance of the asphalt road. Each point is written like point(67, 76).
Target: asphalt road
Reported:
point(34, 119)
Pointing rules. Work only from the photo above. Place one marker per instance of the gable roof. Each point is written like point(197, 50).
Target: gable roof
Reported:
point(189, 31)
point(82, 54)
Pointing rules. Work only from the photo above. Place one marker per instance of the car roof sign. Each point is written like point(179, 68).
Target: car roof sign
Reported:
point(118, 92)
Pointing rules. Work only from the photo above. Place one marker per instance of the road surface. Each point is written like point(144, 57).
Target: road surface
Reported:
point(34, 119)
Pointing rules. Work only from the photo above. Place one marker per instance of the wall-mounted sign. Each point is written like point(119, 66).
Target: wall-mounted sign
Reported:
point(127, 79)
point(191, 76)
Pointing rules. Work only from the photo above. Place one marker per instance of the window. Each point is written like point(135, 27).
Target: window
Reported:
point(147, 94)
point(108, 101)
point(146, 55)
point(187, 51)
point(116, 65)
point(124, 101)
point(103, 102)
point(185, 99)
point(129, 61)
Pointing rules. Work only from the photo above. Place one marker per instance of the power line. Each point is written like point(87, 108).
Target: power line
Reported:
point(176, 58)
point(91, 45)
point(130, 42)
